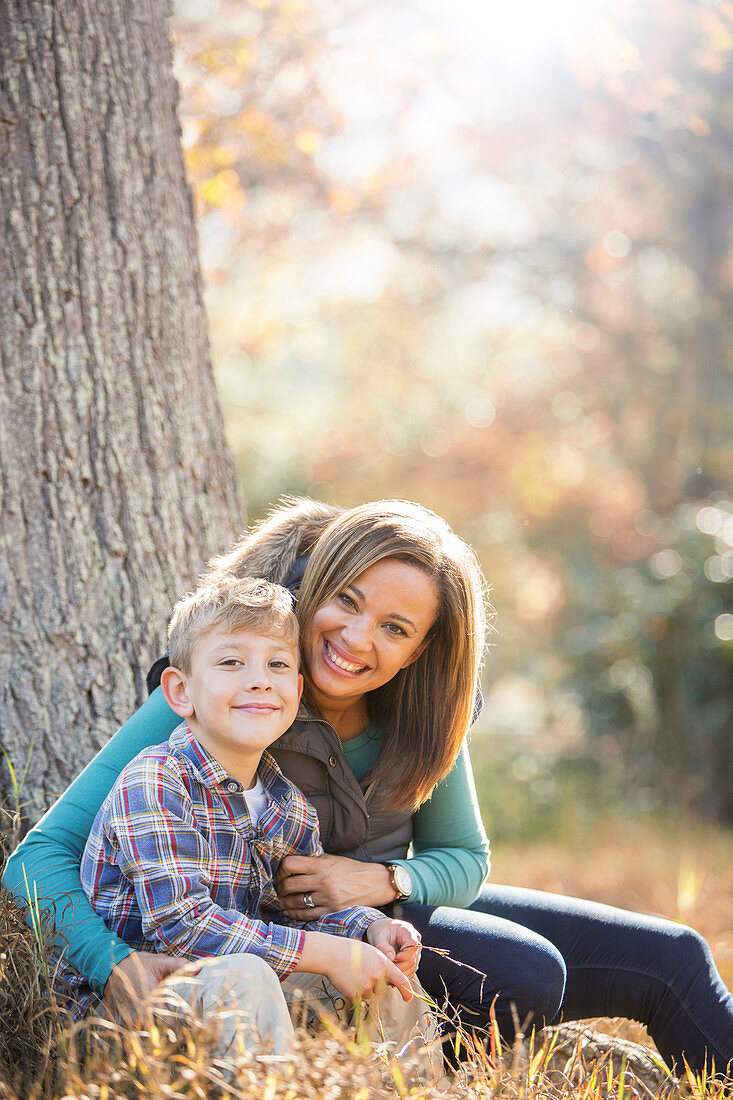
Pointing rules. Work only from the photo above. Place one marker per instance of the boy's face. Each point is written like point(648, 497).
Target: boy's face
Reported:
point(242, 692)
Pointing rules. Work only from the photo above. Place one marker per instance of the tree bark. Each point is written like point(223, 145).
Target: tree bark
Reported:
point(116, 483)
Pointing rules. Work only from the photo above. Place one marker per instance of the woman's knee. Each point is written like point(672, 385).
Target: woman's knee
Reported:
point(686, 955)
point(491, 961)
point(692, 945)
point(524, 991)
point(538, 993)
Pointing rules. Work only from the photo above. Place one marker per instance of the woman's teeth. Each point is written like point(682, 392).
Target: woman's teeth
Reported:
point(341, 663)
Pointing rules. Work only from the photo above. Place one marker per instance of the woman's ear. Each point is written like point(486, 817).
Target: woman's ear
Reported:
point(175, 692)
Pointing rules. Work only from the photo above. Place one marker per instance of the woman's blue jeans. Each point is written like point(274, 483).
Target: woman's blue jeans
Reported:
point(547, 957)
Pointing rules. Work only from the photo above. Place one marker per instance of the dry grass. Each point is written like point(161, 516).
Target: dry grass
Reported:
point(43, 1055)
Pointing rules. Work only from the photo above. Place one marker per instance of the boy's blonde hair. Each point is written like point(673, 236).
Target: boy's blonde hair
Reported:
point(231, 604)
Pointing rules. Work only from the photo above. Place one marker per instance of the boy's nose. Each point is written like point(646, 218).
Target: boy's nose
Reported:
point(258, 680)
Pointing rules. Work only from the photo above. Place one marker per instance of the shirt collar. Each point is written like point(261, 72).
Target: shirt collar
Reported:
point(213, 775)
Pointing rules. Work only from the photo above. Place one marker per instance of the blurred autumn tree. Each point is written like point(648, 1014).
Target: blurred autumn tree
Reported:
point(503, 289)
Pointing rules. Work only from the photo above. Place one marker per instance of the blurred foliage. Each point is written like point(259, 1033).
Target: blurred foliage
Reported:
point(481, 258)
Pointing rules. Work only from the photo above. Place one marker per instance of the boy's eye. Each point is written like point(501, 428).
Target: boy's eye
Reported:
point(278, 662)
point(230, 662)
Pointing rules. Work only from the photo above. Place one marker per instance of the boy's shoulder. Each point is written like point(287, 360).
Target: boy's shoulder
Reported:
point(155, 764)
point(152, 778)
point(167, 753)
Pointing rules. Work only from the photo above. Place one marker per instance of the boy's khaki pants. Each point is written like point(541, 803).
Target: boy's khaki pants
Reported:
point(253, 1009)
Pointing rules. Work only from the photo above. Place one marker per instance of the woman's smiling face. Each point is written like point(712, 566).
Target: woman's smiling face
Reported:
point(369, 630)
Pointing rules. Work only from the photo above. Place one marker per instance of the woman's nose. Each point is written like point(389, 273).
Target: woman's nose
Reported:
point(357, 634)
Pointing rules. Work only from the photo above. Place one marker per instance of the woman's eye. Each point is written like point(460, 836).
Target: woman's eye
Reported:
point(347, 600)
point(397, 630)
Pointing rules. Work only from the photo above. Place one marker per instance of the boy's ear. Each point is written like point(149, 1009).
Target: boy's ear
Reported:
point(300, 685)
point(175, 692)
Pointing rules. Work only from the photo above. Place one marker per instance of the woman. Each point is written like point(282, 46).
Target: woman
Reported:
point(391, 609)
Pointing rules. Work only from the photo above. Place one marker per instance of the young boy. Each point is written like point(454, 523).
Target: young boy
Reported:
point(182, 855)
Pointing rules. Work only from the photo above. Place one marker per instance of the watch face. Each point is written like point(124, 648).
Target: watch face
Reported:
point(402, 879)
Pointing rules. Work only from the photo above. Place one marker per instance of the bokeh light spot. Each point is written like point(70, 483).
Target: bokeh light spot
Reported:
point(724, 627)
point(667, 563)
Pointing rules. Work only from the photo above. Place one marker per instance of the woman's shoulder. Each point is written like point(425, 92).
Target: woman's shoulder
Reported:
point(151, 724)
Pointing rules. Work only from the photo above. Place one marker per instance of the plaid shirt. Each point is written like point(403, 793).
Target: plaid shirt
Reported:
point(173, 863)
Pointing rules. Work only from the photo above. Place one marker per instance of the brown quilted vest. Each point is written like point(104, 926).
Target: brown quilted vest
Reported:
point(310, 754)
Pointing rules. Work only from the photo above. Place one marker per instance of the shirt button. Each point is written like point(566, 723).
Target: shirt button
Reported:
point(232, 787)
point(332, 761)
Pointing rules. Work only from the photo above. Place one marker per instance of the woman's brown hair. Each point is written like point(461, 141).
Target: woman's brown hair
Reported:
point(426, 709)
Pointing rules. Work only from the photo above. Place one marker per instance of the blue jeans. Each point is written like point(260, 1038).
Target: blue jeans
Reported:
point(547, 957)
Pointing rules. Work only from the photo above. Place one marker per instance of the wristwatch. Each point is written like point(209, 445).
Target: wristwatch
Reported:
point(400, 880)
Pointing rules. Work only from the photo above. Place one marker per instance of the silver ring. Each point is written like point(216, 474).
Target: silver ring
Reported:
point(308, 901)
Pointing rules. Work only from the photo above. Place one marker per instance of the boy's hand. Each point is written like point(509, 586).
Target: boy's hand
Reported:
point(364, 970)
point(357, 969)
point(399, 941)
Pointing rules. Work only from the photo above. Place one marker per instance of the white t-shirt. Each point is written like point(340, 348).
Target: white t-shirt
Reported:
point(256, 799)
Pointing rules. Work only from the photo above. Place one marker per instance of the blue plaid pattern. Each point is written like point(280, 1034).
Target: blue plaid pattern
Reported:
point(173, 863)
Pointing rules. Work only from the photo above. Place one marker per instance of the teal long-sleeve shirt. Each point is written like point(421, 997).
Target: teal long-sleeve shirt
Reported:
point(449, 863)
point(450, 852)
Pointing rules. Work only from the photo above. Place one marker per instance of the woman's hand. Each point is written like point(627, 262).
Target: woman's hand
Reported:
point(399, 941)
point(333, 883)
point(134, 979)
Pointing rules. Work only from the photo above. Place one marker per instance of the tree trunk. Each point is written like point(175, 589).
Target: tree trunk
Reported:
point(116, 483)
